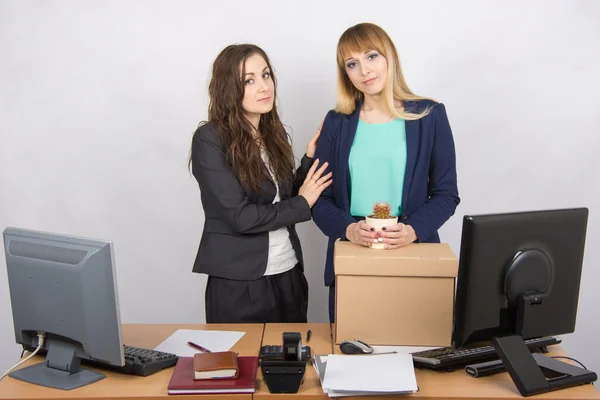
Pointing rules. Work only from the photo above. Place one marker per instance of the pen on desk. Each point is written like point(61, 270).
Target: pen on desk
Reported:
point(194, 345)
point(308, 336)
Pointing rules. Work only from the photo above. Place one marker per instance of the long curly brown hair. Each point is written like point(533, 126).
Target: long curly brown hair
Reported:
point(226, 92)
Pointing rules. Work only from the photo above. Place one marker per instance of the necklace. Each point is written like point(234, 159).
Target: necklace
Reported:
point(369, 121)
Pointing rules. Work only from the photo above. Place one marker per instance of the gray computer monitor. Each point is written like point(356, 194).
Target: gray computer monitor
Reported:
point(64, 286)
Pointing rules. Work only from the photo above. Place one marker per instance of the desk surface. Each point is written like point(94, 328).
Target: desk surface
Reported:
point(120, 386)
point(458, 385)
point(432, 385)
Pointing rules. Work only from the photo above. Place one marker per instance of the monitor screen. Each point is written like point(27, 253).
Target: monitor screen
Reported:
point(519, 273)
point(64, 287)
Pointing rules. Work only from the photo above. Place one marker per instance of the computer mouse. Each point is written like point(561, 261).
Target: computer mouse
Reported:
point(355, 347)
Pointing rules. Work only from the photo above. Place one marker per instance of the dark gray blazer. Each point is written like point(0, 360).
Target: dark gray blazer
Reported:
point(235, 239)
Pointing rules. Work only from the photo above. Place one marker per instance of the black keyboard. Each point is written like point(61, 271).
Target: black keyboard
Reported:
point(144, 362)
point(138, 361)
point(448, 358)
point(275, 352)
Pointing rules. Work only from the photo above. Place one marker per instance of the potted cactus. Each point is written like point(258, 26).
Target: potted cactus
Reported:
point(381, 217)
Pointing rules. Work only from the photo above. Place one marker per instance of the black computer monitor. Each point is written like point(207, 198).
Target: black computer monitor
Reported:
point(64, 287)
point(518, 278)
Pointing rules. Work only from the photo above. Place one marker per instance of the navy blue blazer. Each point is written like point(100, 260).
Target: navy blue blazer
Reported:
point(430, 193)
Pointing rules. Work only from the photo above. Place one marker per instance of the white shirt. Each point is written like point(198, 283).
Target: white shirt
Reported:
point(282, 256)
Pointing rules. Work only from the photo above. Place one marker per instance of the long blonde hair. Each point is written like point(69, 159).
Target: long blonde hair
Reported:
point(364, 37)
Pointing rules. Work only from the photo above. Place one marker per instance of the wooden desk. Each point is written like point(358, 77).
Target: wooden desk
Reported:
point(320, 343)
point(458, 385)
point(432, 385)
point(120, 386)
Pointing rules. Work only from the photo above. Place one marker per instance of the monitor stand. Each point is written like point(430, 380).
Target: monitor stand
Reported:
point(536, 373)
point(61, 370)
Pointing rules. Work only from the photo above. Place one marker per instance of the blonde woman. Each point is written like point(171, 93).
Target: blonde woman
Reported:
point(382, 143)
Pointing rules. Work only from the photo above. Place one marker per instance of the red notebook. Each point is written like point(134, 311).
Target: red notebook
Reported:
point(182, 381)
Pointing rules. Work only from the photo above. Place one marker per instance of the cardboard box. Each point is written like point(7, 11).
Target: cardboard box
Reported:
point(402, 297)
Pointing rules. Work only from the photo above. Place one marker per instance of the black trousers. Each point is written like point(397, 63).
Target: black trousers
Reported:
point(273, 298)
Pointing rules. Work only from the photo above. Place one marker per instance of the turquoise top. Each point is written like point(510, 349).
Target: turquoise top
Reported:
point(377, 165)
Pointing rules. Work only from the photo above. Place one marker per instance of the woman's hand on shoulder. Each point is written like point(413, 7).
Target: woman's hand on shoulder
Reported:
point(311, 147)
point(314, 183)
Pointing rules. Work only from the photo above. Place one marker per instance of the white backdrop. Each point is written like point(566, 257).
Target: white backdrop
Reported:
point(99, 99)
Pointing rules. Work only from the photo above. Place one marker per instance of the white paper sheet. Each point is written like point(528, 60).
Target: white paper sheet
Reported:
point(211, 340)
point(386, 373)
point(321, 360)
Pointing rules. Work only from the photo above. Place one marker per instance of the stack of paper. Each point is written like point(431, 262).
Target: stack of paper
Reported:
point(362, 375)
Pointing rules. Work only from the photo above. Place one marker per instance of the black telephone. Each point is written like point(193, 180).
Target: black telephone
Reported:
point(275, 352)
point(283, 366)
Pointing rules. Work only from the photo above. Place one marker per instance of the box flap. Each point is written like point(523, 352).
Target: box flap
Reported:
point(417, 259)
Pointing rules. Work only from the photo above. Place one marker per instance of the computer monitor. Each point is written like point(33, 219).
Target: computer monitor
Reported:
point(518, 278)
point(65, 287)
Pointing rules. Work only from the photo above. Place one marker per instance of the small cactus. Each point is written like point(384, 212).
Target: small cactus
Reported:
point(382, 210)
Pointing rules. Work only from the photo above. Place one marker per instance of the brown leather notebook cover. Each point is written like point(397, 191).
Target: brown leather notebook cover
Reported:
point(217, 365)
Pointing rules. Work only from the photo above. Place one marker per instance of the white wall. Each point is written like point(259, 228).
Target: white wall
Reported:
point(99, 100)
